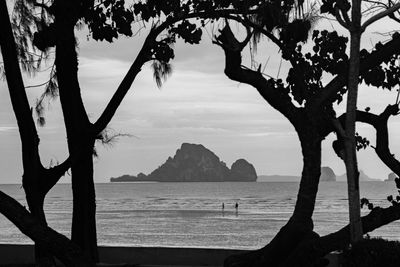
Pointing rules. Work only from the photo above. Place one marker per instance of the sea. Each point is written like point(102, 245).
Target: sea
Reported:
point(191, 214)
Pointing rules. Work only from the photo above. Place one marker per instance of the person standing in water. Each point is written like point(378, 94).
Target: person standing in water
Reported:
point(237, 208)
point(223, 208)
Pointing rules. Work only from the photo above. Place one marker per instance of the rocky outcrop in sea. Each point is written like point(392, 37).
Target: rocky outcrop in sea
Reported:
point(391, 177)
point(196, 163)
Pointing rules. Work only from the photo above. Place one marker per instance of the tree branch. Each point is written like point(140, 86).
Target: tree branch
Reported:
point(375, 58)
point(380, 15)
point(379, 122)
point(345, 24)
point(112, 106)
point(19, 99)
point(233, 69)
point(53, 175)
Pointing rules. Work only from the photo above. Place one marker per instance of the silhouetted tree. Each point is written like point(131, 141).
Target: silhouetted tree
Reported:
point(304, 100)
point(353, 188)
point(316, 248)
point(107, 20)
point(37, 180)
point(340, 9)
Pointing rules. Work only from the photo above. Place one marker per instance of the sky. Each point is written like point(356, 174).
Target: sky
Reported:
point(197, 104)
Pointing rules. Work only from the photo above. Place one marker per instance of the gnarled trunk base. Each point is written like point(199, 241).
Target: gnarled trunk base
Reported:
point(273, 254)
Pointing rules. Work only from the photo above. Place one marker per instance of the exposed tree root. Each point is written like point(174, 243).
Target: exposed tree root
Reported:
point(308, 252)
point(294, 247)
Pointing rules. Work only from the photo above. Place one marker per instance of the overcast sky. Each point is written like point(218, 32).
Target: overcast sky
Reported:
point(198, 104)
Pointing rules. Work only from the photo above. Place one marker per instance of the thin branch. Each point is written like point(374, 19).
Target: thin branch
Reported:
point(234, 70)
point(340, 19)
point(54, 174)
point(37, 85)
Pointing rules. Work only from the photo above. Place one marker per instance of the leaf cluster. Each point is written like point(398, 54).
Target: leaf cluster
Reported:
point(109, 19)
point(50, 93)
point(330, 6)
point(328, 56)
point(25, 23)
point(272, 15)
point(365, 202)
point(361, 142)
point(385, 75)
point(395, 200)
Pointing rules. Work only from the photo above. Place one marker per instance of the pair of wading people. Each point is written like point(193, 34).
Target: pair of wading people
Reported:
point(236, 208)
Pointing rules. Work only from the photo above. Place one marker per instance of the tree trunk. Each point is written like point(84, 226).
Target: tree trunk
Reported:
point(79, 130)
point(311, 151)
point(35, 200)
point(350, 142)
point(84, 205)
point(33, 169)
point(300, 226)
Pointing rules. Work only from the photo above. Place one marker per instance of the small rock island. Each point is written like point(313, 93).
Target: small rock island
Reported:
point(195, 163)
point(391, 177)
point(327, 175)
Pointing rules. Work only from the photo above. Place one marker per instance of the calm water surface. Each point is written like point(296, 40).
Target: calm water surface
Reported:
point(190, 214)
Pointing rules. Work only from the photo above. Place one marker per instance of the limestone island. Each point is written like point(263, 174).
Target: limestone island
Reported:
point(195, 163)
point(327, 175)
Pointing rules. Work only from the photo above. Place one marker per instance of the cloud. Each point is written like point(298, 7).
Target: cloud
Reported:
point(8, 129)
point(269, 134)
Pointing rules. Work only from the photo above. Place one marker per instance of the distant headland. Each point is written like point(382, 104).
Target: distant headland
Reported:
point(327, 175)
point(195, 163)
